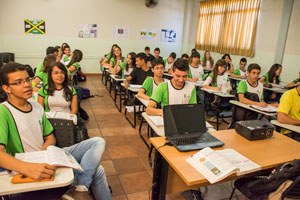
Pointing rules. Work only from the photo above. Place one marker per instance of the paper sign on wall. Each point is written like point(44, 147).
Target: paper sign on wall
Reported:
point(148, 34)
point(87, 31)
point(167, 35)
point(34, 26)
point(120, 32)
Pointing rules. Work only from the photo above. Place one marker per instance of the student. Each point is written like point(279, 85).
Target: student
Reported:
point(252, 86)
point(241, 72)
point(151, 83)
point(169, 61)
point(156, 53)
point(229, 68)
point(195, 69)
point(116, 58)
point(73, 65)
point(49, 50)
point(217, 77)
point(107, 57)
point(59, 53)
point(289, 107)
point(185, 56)
point(66, 58)
point(294, 83)
point(269, 78)
point(25, 128)
point(141, 72)
point(150, 57)
point(43, 75)
point(57, 95)
point(207, 61)
point(175, 91)
point(124, 69)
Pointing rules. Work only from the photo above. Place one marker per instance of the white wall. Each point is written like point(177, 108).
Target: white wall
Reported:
point(64, 16)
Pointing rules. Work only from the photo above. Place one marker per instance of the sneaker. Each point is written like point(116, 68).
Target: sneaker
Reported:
point(73, 194)
point(212, 119)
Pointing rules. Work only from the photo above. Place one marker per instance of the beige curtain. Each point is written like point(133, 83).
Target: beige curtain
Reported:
point(228, 26)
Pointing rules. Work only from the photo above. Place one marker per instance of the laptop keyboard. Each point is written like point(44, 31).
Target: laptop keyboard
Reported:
point(192, 140)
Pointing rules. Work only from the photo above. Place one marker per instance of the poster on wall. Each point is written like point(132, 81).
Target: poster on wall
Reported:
point(148, 34)
point(35, 26)
point(120, 32)
point(167, 35)
point(87, 31)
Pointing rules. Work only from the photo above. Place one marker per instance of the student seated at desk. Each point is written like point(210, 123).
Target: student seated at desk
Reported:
point(59, 53)
point(195, 69)
point(150, 57)
point(151, 83)
point(66, 58)
point(273, 76)
point(49, 50)
point(229, 66)
point(252, 86)
point(288, 111)
point(169, 61)
point(294, 83)
point(116, 58)
point(141, 72)
point(104, 61)
point(73, 65)
point(241, 72)
point(124, 69)
point(217, 77)
point(43, 75)
point(58, 95)
point(156, 53)
point(207, 61)
point(176, 91)
point(25, 128)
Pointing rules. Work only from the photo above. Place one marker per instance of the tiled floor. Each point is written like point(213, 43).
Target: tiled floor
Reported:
point(126, 157)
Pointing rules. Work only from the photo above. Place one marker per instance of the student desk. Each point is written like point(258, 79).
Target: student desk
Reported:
point(63, 177)
point(221, 95)
point(276, 89)
point(116, 86)
point(286, 126)
point(172, 173)
point(237, 103)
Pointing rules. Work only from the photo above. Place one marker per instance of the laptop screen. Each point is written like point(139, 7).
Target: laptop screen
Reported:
point(184, 119)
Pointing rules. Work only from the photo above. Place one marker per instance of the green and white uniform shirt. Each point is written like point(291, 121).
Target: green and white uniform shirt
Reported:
point(44, 77)
point(150, 86)
point(123, 68)
point(166, 94)
point(239, 72)
point(196, 72)
point(167, 65)
point(39, 68)
point(219, 81)
point(23, 131)
point(244, 87)
point(65, 60)
point(57, 102)
point(267, 79)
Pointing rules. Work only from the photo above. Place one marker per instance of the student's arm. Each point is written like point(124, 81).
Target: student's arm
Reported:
point(284, 118)
point(130, 77)
point(33, 170)
point(152, 110)
point(115, 70)
point(207, 82)
point(48, 140)
point(192, 79)
point(292, 84)
point(262, 79)
point(74, 105)
point(244, 100)
point(142, 94)
point(72, 69)
point(41, 100)
point(104, 61)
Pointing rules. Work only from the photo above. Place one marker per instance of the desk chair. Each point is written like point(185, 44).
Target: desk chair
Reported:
point(64, 130)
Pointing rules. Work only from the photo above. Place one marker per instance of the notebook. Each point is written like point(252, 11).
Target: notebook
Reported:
point(185, 127)
point(270, 109)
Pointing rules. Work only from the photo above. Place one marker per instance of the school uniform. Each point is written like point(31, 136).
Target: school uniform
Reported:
point(138, 75)
point(219, 80)
point(196, 72)
point(150, 86)
point(167, 65)
point(245, 87)
point(239, 72)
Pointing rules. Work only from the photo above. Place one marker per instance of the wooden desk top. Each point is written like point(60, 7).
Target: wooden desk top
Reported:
point(267, 153)
point(63, 177)
point(287, 126)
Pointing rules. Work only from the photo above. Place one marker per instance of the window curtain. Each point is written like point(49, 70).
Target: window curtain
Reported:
point(228, 26)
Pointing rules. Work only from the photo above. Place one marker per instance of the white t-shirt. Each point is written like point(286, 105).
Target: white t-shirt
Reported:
point(197, 72)
point(180, 96)
point(58, 103)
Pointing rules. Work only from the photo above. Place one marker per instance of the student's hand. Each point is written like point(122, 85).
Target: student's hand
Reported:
point(262, 104)
point(126, 84)
point(219, 88)
point(297, 84)
point(39, 170)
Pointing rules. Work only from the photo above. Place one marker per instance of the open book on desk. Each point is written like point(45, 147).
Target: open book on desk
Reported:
point(217, 165)
point(62, 115)
point(53, 156)
point(270, 109)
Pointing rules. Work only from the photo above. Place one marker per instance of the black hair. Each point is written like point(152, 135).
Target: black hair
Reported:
point(215, 71)
point(253, 66)
point(133, 58)
point(48, 60)
point(185, 56)
point(57, 47)
point(181, 65)
point(142, 56)
point(243, 60)
point(10, 67)
point(272, 73)
point(76, 57)
point(50, 50)
point(157, 49)
point(223, 57)
point(193, 50)
point(64, 46)
point(157, 61)
point(195, 54)
point(65, 85)
point(173, 55)
point(147, 48)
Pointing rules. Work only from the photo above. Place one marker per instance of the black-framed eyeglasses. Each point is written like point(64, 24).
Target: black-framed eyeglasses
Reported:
point(21, 82)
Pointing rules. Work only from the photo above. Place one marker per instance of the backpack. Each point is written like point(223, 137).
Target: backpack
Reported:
point(86, 93)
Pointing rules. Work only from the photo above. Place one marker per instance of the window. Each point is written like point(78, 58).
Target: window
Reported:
point(228, 26)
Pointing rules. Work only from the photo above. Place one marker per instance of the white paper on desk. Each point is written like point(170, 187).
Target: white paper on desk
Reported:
point(208, 125)
point(265, 109)
point(157, 120)
point(135, 86)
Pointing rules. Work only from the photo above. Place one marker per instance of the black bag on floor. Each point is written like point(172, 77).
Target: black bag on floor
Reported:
point(81, 132)
point(82, 114)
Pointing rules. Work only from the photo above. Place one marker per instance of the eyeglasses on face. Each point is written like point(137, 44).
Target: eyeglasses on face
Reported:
point(21, 82)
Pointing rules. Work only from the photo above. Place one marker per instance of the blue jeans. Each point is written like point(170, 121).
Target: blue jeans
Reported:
point(88, 153)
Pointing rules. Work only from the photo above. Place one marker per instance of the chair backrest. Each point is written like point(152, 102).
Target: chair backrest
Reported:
point(64, 131)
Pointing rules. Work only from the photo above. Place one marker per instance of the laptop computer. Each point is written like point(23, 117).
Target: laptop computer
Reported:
point(185, 127)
